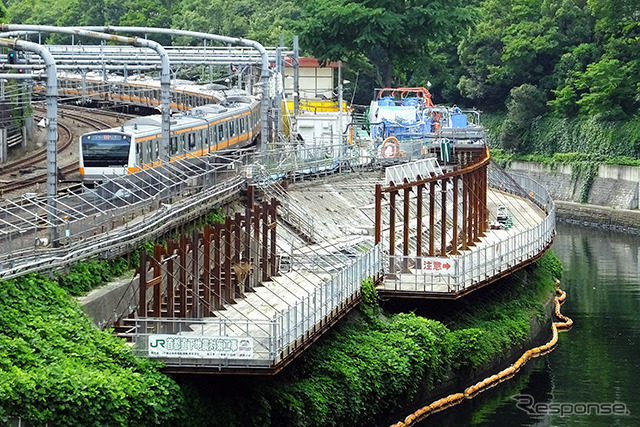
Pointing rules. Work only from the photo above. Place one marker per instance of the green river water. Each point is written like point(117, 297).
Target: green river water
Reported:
point(592, 378)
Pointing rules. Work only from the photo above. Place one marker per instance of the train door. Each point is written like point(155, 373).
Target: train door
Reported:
point(182, 144)
point(146, 152)
point(232, 129)
point(200, 138)
point(139, 154)
point(173, 146)
point(221, 134)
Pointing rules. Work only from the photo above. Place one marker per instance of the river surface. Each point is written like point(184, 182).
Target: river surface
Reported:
point(592, 378)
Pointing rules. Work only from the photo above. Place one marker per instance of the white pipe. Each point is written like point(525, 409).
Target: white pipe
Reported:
point(165, 82)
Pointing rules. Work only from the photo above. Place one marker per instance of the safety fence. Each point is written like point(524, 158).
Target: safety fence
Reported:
point(500, 251)
point(115, 216)
point(224, 343)
point(112, 218)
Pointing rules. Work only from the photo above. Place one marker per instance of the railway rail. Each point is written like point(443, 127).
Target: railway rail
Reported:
point(66, 139)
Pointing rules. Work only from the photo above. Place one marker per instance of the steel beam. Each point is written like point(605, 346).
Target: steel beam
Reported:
point(378, 214)
point(405, 229)
point(392, 229)
point(443, 218)
point(419, 220)
point(454, 241)
point(432, 218)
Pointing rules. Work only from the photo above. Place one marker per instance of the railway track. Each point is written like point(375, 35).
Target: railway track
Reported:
point(35, 163)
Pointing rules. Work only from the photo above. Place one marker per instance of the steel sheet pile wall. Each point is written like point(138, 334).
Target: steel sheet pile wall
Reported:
point(273, 340)
point(483, 255)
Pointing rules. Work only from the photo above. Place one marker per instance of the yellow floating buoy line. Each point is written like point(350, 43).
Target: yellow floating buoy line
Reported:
point(505, 374)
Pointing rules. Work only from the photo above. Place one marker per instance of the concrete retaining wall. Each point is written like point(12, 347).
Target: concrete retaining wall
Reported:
point(612, 201)
point(614, 186)
point(111, 302)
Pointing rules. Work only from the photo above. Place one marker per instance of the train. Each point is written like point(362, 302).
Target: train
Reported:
point(232, 123)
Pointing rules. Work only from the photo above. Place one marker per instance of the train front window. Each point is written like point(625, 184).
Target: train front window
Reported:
point(105, 150)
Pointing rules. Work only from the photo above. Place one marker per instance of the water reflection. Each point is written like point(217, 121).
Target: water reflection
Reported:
point(592, 375)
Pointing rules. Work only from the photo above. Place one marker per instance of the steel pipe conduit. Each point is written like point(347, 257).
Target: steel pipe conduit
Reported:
point(165, 77)
point(52, 118)
point(264, 78)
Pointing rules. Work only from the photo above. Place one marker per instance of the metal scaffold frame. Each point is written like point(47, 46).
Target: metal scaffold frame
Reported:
point(470, 254)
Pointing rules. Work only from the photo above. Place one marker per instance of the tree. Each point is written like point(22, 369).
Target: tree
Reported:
point(525, 103)
point(520, 41)
point(387, 32)
point(38, 12)
point(252, 19)
point(601, 78)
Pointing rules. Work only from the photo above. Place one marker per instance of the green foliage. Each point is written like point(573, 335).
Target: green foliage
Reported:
point(587, 171)
point(551, 264)
point(517, 42)
point(56, 368)
point(215, 216)
point(378, 30)
point(552, 139)
point(87, 275)
point(262, 21)
point(469, 348)
point(525, 103)
point(601, 78)
point(362, 371)
point(370, 305)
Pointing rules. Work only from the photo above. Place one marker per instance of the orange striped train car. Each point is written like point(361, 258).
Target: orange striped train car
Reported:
point(232, 124)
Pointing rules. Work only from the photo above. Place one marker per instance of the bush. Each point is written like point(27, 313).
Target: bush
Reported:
point(55, 367)
point(365, 367)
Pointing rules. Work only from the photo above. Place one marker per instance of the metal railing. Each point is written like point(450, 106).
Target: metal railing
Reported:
point(116, 216)
point(290, 212)
point(313, 308)
point(103, 221)
point(269, 340)
point(457, 272)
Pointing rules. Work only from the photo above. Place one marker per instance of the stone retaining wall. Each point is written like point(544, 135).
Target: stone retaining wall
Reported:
point(612, 200)
point(614, 186)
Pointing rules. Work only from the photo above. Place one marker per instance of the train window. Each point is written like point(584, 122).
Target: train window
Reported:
point(191, 140)
point(221, 132)
point(157, 150)
point(149, 153)
point(182, 144)
point(232, 129)
point(174, 145)
point(242, 126)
